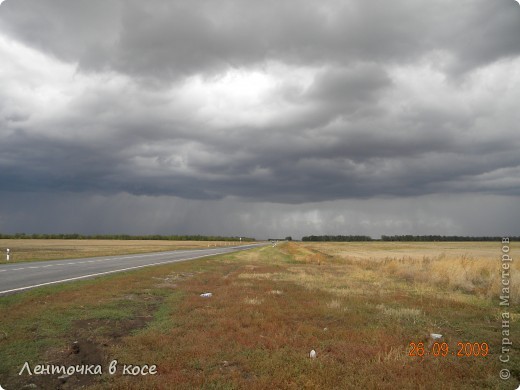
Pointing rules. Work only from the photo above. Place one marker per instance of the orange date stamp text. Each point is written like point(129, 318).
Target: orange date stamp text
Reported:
point(438, 349)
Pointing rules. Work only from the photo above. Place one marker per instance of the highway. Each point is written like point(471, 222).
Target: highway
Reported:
point(17, 277)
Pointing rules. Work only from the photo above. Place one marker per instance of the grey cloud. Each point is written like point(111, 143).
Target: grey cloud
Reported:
point(161, 41)
point(404, 100)
point(67, 30)
point(346, 163)
point(483, 33)
point(358, 83)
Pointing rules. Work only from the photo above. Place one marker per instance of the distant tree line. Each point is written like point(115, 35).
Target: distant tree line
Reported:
point(407, 237)
point(410, 237)
point(75, 236)
point(337, 238)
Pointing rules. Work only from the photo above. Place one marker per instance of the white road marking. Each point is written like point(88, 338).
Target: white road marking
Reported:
point(80, 262)
point(102, 259)
point(103, 273)
point(119, 258)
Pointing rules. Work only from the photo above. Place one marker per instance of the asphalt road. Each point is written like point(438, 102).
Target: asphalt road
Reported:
point(22, 276)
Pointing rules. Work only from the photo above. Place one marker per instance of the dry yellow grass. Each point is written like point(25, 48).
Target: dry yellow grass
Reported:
point(253, 301)
point(452, 267)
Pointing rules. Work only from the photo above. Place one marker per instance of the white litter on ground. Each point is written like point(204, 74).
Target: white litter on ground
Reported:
point(206, 295)
point(312, 354)
point(435, 336)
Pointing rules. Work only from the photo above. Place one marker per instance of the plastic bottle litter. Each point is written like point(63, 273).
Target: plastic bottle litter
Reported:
point(206, 295)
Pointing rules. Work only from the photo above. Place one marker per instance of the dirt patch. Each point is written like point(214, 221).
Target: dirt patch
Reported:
point(171, 280)
point(89, 347)
point(80, 353)
point(108, 331)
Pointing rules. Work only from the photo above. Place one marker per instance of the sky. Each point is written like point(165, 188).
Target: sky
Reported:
point(260, 118)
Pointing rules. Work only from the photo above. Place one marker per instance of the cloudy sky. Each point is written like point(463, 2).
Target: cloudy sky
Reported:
point(260, 118)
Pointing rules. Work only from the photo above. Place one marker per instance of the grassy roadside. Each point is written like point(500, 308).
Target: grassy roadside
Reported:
point(270, 307)
point(39, 249)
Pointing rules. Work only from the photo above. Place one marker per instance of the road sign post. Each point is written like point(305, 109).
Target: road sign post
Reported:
point(7, 254)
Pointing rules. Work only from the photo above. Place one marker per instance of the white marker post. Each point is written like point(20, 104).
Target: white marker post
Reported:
point(7, 254)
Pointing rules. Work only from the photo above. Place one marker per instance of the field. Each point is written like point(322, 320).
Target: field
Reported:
point(36, 249)
point(358, 305)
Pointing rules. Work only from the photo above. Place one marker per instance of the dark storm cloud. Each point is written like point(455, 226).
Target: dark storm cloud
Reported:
point(280, 101)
